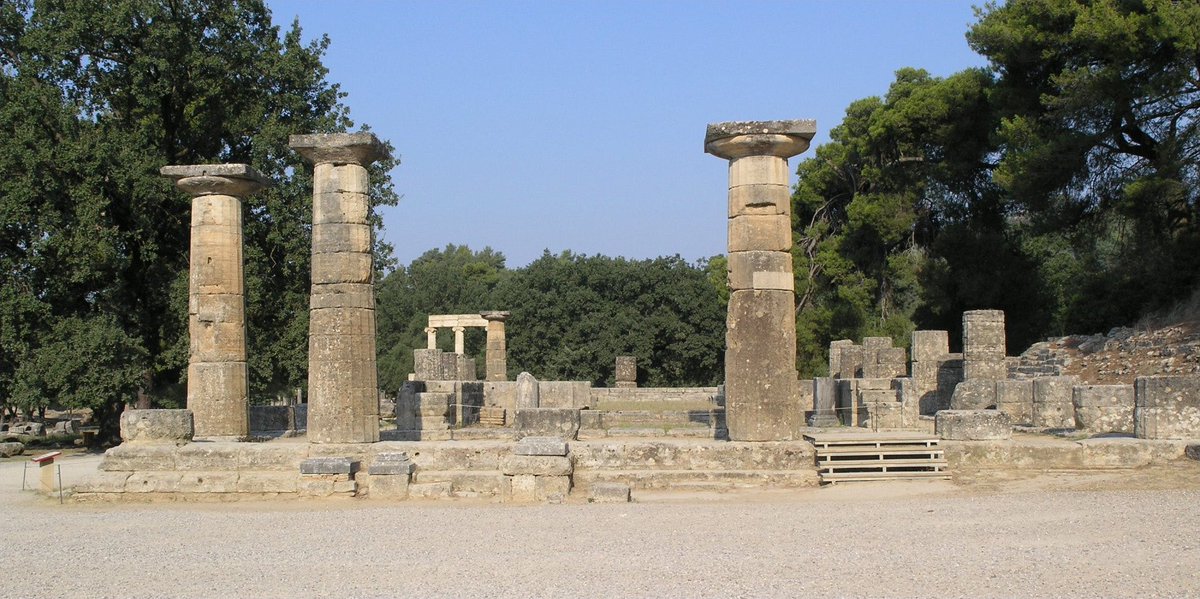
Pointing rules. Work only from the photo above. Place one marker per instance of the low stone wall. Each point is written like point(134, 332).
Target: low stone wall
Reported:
point(1167, 407)
point(1030, 452)
point(1103, 408)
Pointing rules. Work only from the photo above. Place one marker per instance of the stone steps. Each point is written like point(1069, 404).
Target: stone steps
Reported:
point(711, 480)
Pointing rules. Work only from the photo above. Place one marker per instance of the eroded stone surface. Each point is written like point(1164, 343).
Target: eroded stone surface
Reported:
point(973, 425)
point(157, 426)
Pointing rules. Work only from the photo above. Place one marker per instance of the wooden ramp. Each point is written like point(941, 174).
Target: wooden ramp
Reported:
point(862, 456)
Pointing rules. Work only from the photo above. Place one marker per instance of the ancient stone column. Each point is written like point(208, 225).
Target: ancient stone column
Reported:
point(460, 343)
point(497, 348)
point(824, 403)
point(761, 403)
point(984, 345)
point(342, 402)
point(430, 337)
point(218, 389)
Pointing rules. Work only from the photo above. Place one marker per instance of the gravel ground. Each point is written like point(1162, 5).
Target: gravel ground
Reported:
point(1053, 536)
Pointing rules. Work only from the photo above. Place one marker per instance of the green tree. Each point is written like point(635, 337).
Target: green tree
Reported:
point(92, 102)
point(572, 315)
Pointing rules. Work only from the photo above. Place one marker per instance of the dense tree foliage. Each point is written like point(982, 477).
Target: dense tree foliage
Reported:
point(571, 314)
point(93, 243)
point(1059, 184)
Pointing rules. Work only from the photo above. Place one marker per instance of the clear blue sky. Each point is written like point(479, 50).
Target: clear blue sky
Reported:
point(579, 125)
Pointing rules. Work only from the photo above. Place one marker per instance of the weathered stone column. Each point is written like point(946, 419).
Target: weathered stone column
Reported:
point(218, 386)
point(342, 403)
point(460, 342)
point(497, 347)
point(430, 337)
point(761, 403)
point(984, 345)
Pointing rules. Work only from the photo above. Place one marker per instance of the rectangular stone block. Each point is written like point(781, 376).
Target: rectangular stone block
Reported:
point(342, 295)
point(835, 356)
point(1015, 398)
point(972, 425)
point(217, 307)
point(327, 465)
point(536, 446)
point(267, 482)
point(540, 465)
point(528, 488)
point(389, 487)
point(172, 427)
point(333, 238)
point(216, 273)
point(211, 457)
point(1167, 407)
point(950, 374)
point(427, 364)
point(342, 267)
point(876, 343)
point(153, 482)
point(760, 270)
point(218, 399)
point(608, 493)
point(270, 457)
point(1052, 406)
point(881, 415)
point(340, 207)
point(979, 394)
point(760, 198)
point(760, 232)
point(757, 170)
point(391, 464)
point(626, 369)
point(208, 482)
point(129, 457)
point(850, 362)
point(545, 422)
point(1103, 408)
point(866, 396)
point(930, 346)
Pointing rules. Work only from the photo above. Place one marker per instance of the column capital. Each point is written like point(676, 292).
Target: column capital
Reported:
point(459, 329)
point(237, 180)
point(339, 148)
point(738, 139)
point(497, 315)
point(429, 330)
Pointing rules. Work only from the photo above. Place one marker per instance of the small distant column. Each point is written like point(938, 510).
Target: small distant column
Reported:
point(984, 345)
point(430, 337)
point(218, 386)
point(342, 402)
point(761, 399)
point(460, 342)
point(626, 372)
point(497, 346)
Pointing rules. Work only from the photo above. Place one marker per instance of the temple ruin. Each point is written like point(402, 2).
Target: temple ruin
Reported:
point(883, 412)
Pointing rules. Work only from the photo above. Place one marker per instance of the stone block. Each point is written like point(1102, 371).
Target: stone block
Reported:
point(342, 267)
point(208, 482)
point(757, 170)
point(850, 362)
point(975, 394)
point(1015, 398)
point(390, 464)
point(527, 391)
point(537, 465)
point(881, 415)
point(973, 425)
point(759, 198)
point(389, 487)
point(207, 456)
point(1103, 408)
point(626, 369)
point(609, 493)
point(153, 482)
point(548, 446)
point(327, 465)
point(267, 482)
point(270, 457)
point(835, 355)
point(157, 426)
point(430, 490)
point(139, 456)
point(103, 482)
point(872, 396)
point(11, 448)
point(760, 270)
point(528, 488)
point(427, 364)
point(769, 232)
point(930, 346)
point(1052, 403)
point(1167, 407)
point(760, 371)
point(547, 422)
point(342, 295)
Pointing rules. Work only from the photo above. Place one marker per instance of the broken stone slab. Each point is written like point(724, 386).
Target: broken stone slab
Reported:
point(328, 465)
point(548, 446)
point(609, 493)
point(10, 449)
point(391, 464)
point(430, 490)
point(546, 422)
point(973, 425)
point(157, 426)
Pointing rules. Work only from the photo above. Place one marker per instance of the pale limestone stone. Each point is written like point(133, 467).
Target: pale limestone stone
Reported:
point(626, 372)
point(1167, 407)
point(978, 394)
point(1052, 407)
point(268, 482)
point(760, 198)
point(824, 403)
point(930, 346)
point(542, 422)
point(130, 457)
point(760, 369)
point(208, 482)
point(540, 465)
point(172, 427)
point(527, 391)
point(609, 493)
point(984, 345)
point(1103, 408)
point(760, 270)
point(153, 482)
point(103, 482)
point(541, 446)
point(207, 456)
point(496, 355)
point(761, 232)
point(973, 425)
point(1015, 398)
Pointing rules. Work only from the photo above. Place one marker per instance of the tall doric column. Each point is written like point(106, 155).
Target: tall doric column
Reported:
point(460, 342)
point(430, 337)
point(497, 347)
point(343, 402)
point(761, 397)
point(218, 389)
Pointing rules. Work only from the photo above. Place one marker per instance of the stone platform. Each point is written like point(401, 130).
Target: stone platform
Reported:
point(223, 471)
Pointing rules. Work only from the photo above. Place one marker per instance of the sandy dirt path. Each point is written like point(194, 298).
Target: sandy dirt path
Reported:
point(1062, 535)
